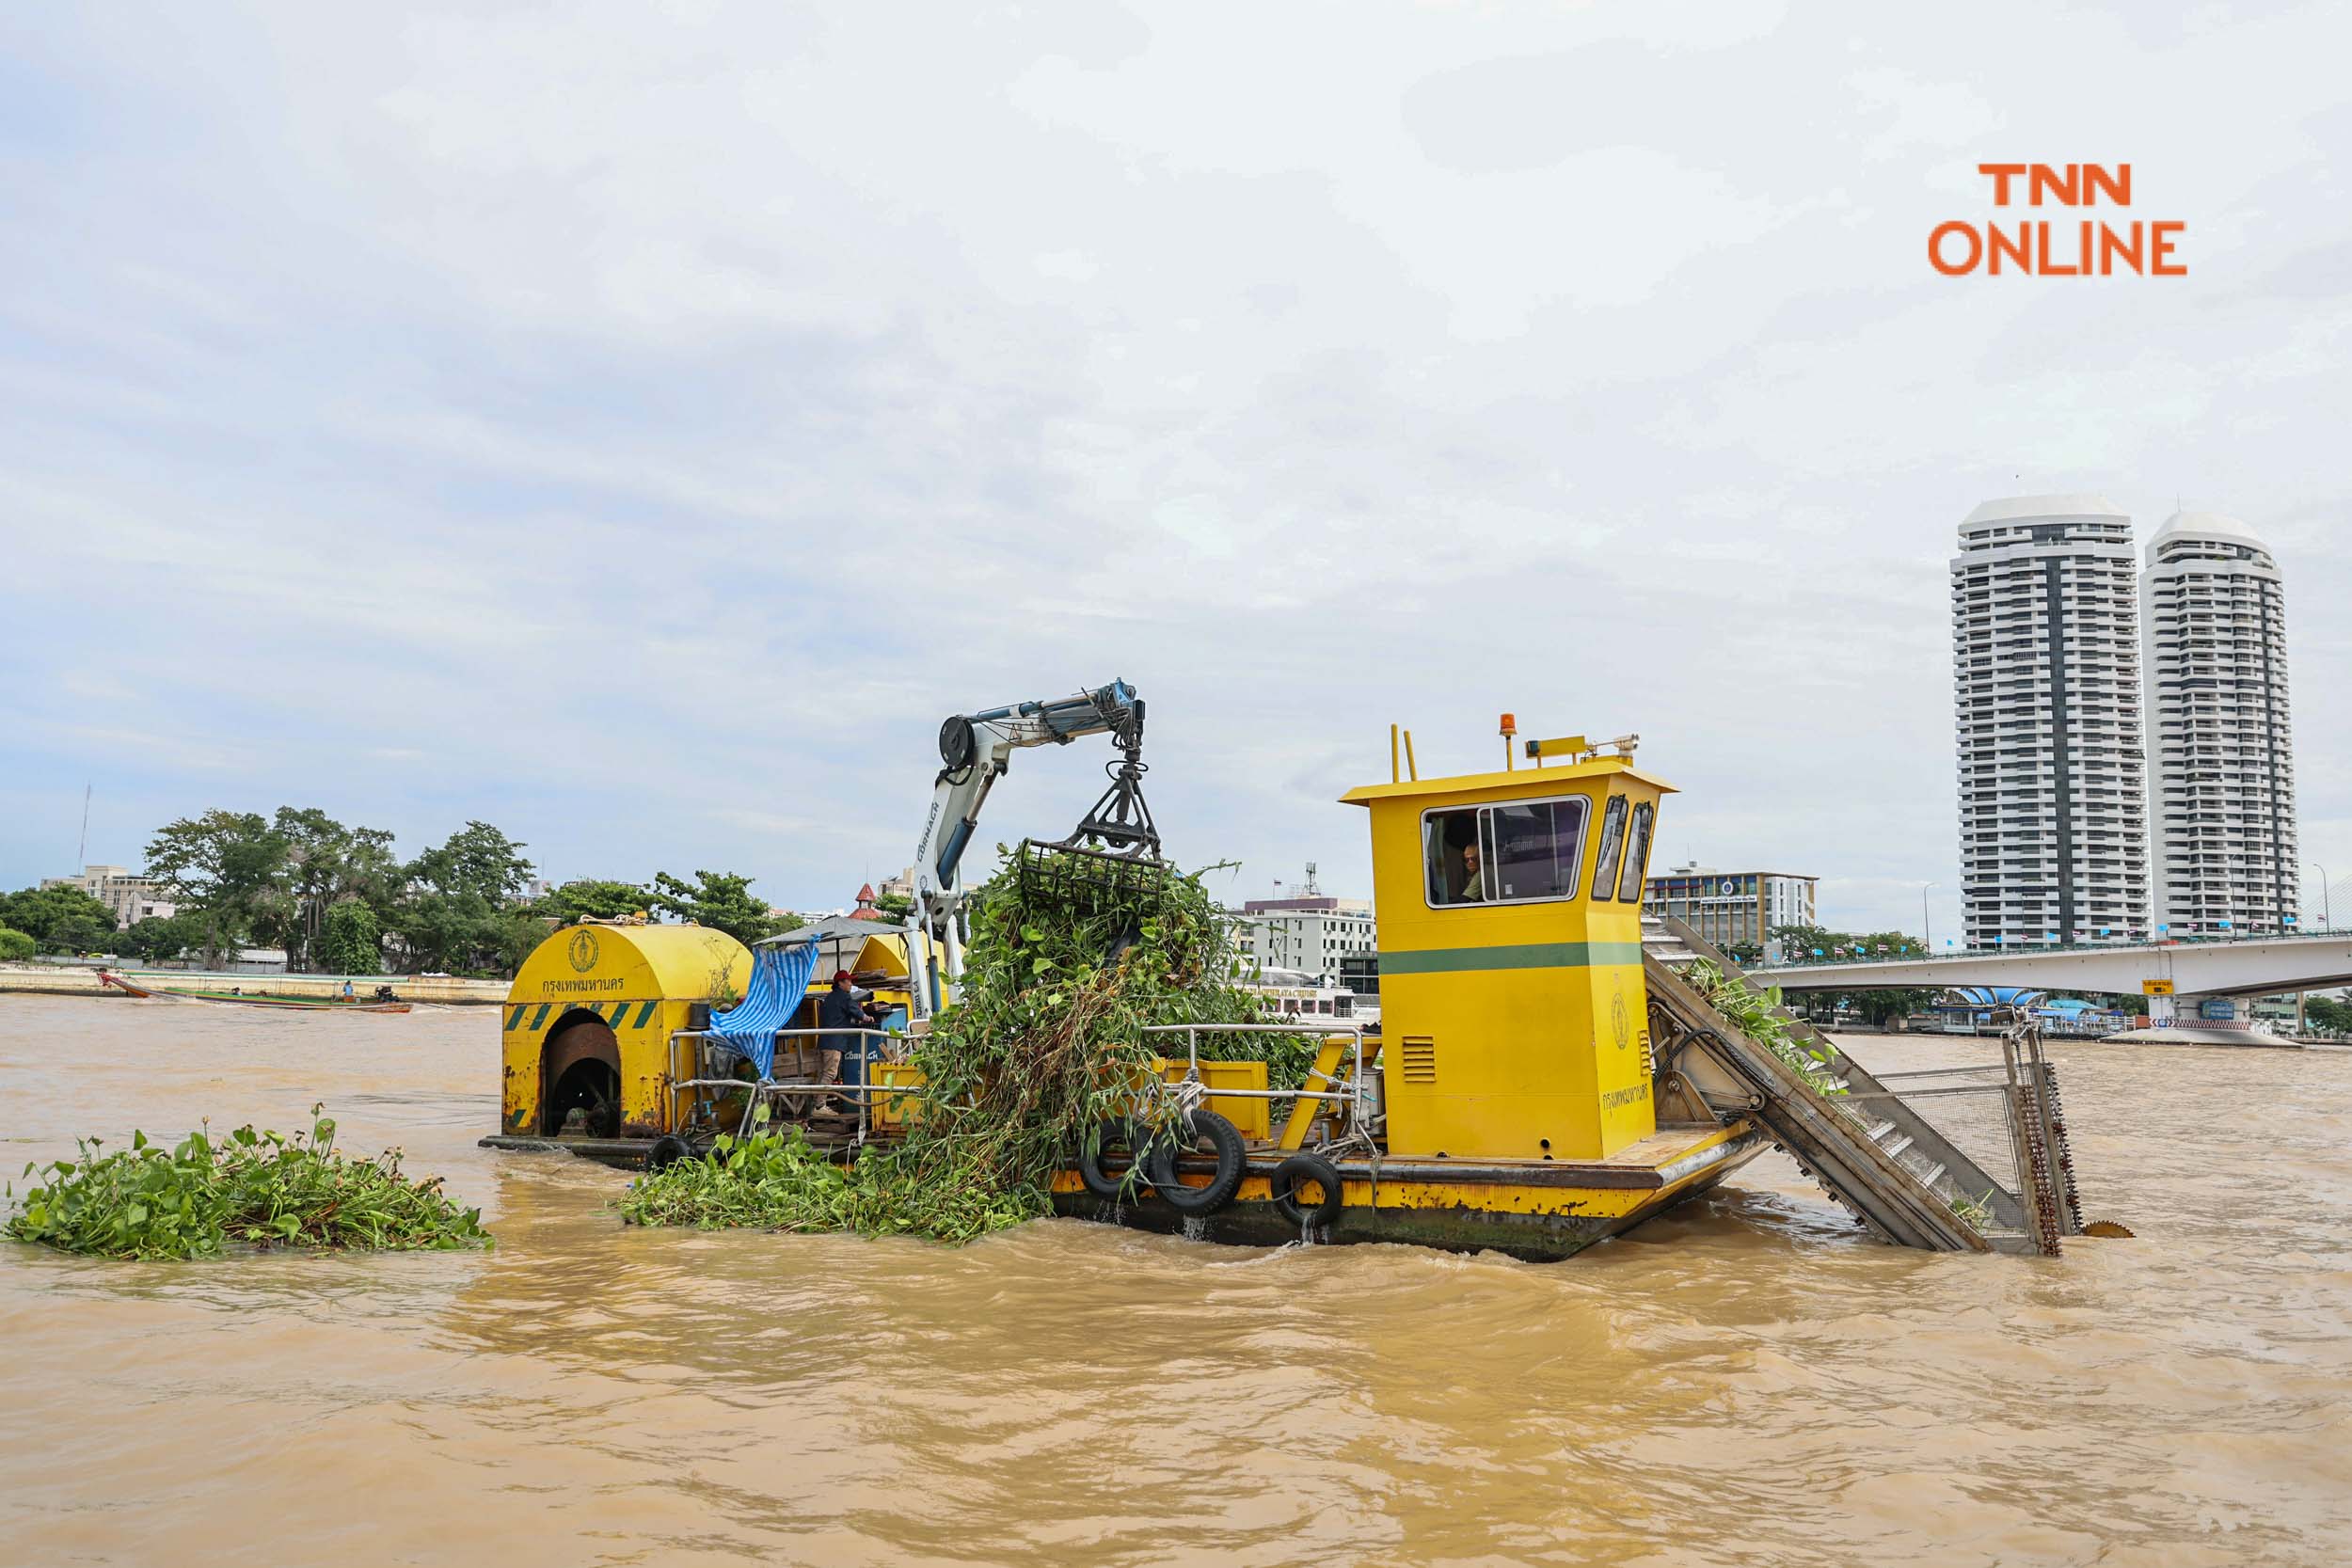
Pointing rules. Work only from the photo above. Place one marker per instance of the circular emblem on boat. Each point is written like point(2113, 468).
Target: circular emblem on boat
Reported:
point(1620, 1021)
point(583, 951)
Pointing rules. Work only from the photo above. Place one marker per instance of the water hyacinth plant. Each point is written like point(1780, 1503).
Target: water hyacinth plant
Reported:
point(1044, 1044)
point(1756, 1013)
point(259, 1189)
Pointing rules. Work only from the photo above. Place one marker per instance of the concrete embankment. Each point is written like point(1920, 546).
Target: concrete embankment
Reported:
point(55, 980)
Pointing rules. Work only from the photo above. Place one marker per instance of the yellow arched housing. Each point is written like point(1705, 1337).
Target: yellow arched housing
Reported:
point(588, 1020)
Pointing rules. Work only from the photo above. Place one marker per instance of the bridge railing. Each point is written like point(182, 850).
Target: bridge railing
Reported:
point(2031, 949)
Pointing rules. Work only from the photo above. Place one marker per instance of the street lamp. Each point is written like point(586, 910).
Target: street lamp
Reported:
point(1926, 930)
point(2326, 908)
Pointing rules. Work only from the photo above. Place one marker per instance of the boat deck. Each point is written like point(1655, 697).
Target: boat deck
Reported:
point(1664, 1157)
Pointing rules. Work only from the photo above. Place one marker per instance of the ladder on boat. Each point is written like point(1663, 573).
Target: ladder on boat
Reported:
point(1870, 1146)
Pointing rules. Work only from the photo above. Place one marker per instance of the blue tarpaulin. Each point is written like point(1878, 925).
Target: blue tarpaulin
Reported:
point(779, 986)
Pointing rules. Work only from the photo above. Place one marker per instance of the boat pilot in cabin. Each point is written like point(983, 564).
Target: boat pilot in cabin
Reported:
point(1457, 873)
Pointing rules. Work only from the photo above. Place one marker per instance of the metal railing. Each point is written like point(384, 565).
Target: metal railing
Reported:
point(1359, 1114)
point(2028, 949)
point(758, 1090)
point(1355, 1096)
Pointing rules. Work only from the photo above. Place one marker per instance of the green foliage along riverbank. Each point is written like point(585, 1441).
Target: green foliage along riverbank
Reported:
point(257, 1188)
point(1045, 1044)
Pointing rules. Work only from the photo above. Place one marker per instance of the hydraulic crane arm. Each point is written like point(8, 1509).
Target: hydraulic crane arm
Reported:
point(976, 749)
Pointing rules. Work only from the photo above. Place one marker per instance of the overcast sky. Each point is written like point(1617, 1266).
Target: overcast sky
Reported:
point(639, 430)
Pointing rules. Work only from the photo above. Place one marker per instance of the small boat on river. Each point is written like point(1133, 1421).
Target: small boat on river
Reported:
point(357, 1004)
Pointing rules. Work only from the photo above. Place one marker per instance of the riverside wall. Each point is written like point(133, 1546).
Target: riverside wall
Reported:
point(53, 980)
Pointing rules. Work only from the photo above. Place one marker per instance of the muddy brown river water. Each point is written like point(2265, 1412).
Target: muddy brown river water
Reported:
point(1746, 1381)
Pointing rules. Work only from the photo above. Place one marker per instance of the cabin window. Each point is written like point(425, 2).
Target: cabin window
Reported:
point(1453, 853)
point(1515, 852)
point(1637, 853)
point(1611, 840)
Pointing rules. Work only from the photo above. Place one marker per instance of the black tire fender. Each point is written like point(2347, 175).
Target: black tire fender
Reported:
point(667, 1150)
point(1294, 1173)
point(1161, 1167)
point(1107, 1136)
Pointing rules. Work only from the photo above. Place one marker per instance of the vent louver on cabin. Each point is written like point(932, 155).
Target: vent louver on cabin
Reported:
point(1417, 1058)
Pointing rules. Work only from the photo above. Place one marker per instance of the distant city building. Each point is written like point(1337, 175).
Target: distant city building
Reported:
point(1731, 907)
point(1310, 933)
point(899, 886)
point(131, 898)
point(2045, 660)
point(2219, 745)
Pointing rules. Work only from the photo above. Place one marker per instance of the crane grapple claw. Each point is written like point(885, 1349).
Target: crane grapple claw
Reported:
point(1088, 881)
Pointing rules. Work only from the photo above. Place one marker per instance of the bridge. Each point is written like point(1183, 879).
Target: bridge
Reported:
point(2220, 966)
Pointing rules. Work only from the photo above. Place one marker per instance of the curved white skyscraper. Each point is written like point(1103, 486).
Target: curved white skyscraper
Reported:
point(2220, 746)
point(2045, 660)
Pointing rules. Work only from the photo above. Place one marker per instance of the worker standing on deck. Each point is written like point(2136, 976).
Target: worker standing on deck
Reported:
point(839, 1011)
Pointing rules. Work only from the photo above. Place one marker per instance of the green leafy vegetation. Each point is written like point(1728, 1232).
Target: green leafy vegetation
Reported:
point(162, 936)
point(723, 901)
point(2329, 1015)
point(1801, 943)
point(340, 901)
point(58, 919)
point(352, 942)
point(257, 1188)
point(1045, 1044)
point(1755, 1013)
point(591, 898)
point(1975, 1212)
point(16, 944)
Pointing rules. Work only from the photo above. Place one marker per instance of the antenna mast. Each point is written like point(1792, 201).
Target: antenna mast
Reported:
point(81, 855)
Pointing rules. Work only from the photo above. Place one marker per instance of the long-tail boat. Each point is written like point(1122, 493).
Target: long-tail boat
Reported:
point(356, 1005)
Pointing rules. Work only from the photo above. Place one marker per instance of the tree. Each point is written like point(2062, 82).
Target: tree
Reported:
point(898, 906)
point(457, 915)
point(59, 919)
point(1800, 944)
point(162, 936)
point(600, 900)
point(229, 870)
point(351, 943)
point(326, 864)
point(478, 859)
point(723, 902)
point(15, 945)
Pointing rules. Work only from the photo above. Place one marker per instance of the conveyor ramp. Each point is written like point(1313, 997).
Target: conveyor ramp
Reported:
point(1872, 1147)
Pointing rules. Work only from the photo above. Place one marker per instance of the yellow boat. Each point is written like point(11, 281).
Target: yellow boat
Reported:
point(1545, 1071)
point(1507, 1100)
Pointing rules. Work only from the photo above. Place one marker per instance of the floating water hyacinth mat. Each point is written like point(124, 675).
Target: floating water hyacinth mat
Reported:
point(257, 1189)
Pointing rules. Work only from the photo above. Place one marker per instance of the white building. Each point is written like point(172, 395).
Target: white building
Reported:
point(2219, 747)
point(2045, 660)
point(1731, 908)
point(133, 898)
point(1310, 935)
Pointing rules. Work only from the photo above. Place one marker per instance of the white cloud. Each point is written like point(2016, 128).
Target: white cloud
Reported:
point(653, 423)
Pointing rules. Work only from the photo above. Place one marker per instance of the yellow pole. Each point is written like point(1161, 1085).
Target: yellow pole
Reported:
point(1409, 765)
point(1396, 774)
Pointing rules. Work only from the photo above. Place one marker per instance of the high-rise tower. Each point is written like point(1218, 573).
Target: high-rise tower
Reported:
point(2220, 750)
point(2045, 659)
